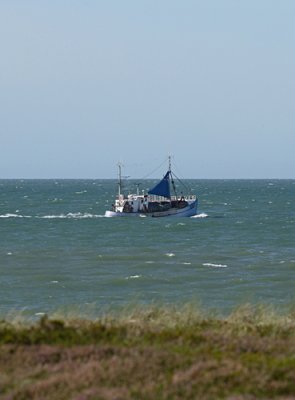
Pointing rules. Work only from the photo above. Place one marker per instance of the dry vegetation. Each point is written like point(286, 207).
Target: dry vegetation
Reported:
point(150, 354)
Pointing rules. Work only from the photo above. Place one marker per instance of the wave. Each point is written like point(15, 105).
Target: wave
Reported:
point(133, 277)
point(202, 215)
point(215, 265)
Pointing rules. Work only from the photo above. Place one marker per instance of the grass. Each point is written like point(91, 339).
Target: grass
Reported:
point(153, 353)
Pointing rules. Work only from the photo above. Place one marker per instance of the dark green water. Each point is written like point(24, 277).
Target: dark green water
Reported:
point(57, 251)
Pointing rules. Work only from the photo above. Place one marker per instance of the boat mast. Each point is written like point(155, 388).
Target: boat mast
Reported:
point(119, 178)
point(171, 176)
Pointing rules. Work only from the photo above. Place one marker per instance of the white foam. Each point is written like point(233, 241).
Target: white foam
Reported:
point(215, 265)
point(186, 263)
point(53, 281)
point(170, 254)
point(133, 277)
point(70, 216)
point(53, 216)
point(150, 262)
point(202, 215)
point(40, 313)
point(9, 253)
point(8, 215)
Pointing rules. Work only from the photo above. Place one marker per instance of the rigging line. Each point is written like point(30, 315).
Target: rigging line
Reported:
point(150, 173)
point(183, 183)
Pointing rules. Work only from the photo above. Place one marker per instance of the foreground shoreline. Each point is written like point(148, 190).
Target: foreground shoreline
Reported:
point(154, 353)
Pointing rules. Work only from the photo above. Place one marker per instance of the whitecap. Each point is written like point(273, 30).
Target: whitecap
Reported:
point(40, 314)
point(181, 224)
point(53, 281)
point(150, 262)
point(186, 263)
point(170, 254)
point(215, 265)
point(133, 277)
point(202, 215)
point(9, 253)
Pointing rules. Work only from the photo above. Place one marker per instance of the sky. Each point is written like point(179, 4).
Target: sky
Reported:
point(87, 83)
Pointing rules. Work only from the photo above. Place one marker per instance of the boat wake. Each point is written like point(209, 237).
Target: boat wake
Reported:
point(58, 216)
point(202, 215)
point(14, 216)
point(71, 216)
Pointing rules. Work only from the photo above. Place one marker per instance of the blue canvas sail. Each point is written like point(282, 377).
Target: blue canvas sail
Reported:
point(162, 188)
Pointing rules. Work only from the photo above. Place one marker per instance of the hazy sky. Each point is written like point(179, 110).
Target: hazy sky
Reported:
point(85, 83)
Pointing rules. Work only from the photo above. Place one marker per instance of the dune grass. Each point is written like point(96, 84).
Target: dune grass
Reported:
point(150, 353)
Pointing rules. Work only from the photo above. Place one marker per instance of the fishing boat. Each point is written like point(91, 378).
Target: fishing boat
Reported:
point(157, 202)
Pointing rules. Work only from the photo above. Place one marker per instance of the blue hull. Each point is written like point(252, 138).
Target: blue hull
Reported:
point(189, 211)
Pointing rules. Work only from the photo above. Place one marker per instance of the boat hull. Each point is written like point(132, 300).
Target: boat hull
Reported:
point(188, 211)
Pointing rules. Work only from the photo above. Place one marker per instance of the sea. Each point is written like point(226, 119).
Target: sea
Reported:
point(58, 253)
